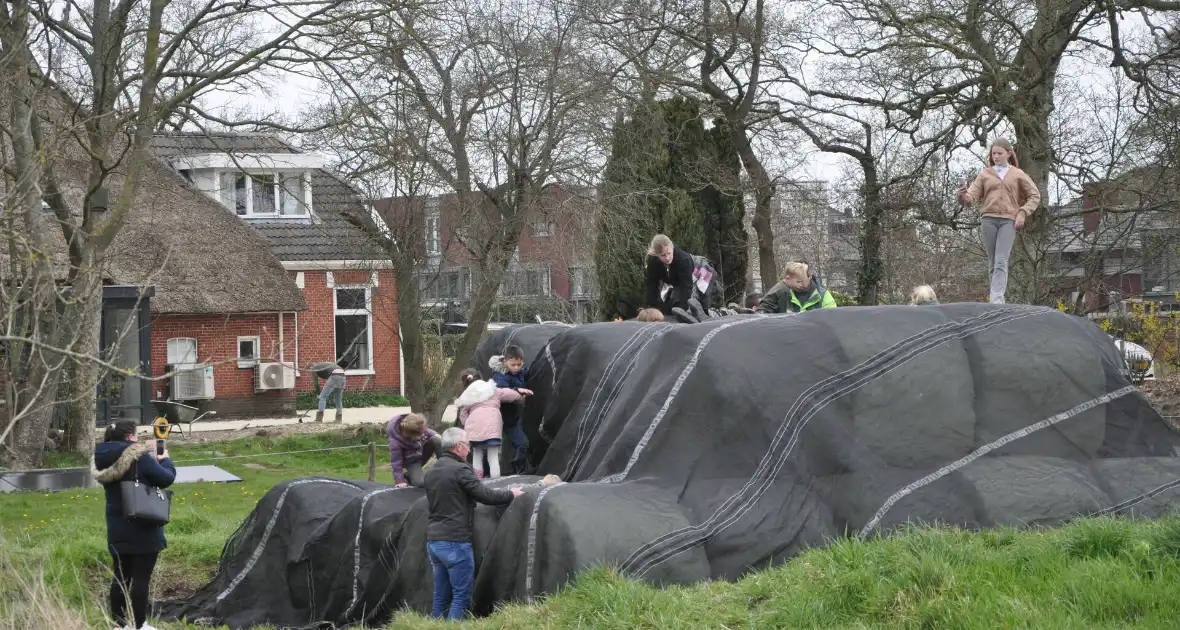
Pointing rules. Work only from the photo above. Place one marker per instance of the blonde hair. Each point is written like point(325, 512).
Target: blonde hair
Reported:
point(413, 425)
point(650, 315)
point(797, 270)
point(1003, 144)
point(923, 293)
point(659, 243)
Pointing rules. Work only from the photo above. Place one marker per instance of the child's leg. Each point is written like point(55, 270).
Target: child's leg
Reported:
point(477, 453)
point(493, 462)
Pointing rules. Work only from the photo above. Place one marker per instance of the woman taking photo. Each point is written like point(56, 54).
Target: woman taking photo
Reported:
point(1006, 197)
point(134, 544)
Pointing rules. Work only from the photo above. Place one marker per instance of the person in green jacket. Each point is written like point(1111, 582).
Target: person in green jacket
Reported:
point(800, 290)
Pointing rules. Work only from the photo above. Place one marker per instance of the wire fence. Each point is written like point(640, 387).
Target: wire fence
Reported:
point(271, 454)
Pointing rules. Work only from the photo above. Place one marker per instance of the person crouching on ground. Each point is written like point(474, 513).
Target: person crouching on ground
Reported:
point(800, 290)
point(334, 385)
point(134, 545)
point(452, 490)
point(923, 296)
point(480, 416)
point(508, 372)
point(411, 445)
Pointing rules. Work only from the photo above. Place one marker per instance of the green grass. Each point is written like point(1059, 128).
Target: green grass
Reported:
point(353, 400)
point(1100, 573)
point(63, 534)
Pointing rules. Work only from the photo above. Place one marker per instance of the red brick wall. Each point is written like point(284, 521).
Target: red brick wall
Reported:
point(317, 337)
point(217, 343)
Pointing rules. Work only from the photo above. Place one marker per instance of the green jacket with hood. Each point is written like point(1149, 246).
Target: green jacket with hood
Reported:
point(781, 299)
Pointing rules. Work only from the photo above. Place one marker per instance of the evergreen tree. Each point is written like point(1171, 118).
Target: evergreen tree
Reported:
point(726, 240)
point(664, 176)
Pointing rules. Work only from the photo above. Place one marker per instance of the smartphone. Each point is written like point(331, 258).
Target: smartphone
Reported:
point(159, 447)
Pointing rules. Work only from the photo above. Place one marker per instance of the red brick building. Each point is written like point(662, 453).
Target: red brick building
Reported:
point(1119, 241)
point(553, 260)
point(320, 290)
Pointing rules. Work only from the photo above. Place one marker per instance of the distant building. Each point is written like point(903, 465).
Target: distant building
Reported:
point(808, 227)
point(553, 265)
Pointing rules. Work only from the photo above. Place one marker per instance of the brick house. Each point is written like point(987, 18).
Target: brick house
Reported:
point(553, 262)
point(1118, 241)
point(306, 220)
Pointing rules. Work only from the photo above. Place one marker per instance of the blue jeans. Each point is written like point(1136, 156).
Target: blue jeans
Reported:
point(334, 385)
point(454, 574)
point(521, 441)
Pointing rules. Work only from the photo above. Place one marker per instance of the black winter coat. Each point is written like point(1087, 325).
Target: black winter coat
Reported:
point(115, 462)
point(678, 275)
point(451, 492)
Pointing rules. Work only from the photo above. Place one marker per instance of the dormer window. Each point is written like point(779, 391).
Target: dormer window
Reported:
point(256, 185)
point(265, 194)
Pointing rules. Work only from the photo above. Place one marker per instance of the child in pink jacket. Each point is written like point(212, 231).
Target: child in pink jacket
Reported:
point(479, 413)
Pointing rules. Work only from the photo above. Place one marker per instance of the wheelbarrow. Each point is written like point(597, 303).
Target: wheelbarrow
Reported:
point(170, 415)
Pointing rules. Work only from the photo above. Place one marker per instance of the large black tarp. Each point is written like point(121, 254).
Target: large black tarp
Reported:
point(707, 450)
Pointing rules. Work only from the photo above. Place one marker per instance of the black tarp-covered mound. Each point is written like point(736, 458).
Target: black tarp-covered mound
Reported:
point(703, 451)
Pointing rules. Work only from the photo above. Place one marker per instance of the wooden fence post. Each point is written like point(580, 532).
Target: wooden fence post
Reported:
point(372, 461)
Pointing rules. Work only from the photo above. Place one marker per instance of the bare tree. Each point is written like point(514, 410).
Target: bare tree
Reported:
point(495, 101)
point(85, 86)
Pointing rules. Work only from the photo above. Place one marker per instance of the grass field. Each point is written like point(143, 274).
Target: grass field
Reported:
point(1101, 573)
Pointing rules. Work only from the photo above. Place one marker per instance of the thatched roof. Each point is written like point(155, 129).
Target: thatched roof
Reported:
point(331, 233)
point(200, 257)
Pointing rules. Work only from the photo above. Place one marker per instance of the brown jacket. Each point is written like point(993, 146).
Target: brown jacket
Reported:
point(1003, 198)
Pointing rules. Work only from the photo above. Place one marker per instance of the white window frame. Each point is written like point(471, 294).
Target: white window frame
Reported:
point(367, 312)
point(227, 194)
point(246, 362)
point(174, 357)
point(433, 228)
point(544, 227)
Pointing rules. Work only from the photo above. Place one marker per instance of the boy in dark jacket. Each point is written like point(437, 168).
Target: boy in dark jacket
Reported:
point(508, 372)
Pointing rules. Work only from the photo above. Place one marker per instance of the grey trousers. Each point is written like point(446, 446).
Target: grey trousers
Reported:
point(998, 237)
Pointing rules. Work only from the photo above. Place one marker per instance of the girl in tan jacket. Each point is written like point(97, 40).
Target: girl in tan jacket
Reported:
point(1006, 196)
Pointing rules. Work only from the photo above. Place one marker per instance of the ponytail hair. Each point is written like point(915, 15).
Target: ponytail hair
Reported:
point(120, 431)
point(467, 377)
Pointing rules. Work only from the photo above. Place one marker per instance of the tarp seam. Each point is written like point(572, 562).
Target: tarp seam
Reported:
point(270, 525)
point(987, 448)
point(771, 463)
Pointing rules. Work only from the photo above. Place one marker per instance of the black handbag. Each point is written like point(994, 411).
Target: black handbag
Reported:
point(144, 502)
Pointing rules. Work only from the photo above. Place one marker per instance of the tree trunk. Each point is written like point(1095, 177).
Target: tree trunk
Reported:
point(83, 385)
point(763, 195)
point(868, 276)
point(1035, 154)
point(409, 317)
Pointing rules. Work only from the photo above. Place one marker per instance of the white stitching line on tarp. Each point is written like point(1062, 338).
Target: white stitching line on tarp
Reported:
point(356, 552)
point(987, 448)
point(877, 366)
point(606, 374)
point(588, 427)
point(530, 558)
point(873, 368)
point(1139, 499)
point(684, 374)
point(269, 528)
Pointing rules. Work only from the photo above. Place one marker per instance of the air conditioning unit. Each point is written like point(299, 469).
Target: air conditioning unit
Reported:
point(192, 381)
point(268, 376)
